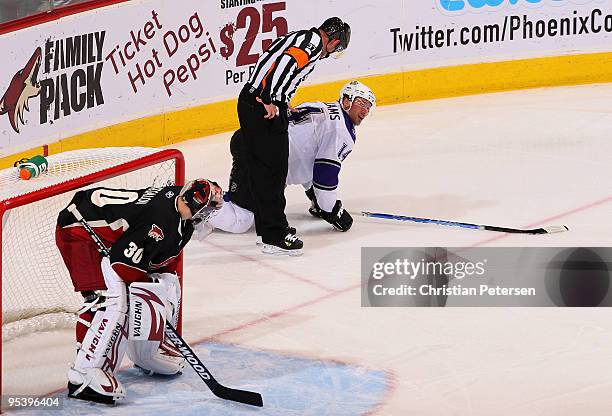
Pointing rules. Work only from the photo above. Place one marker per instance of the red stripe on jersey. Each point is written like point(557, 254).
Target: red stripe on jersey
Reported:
point(107, 234)
point(129, 274)
point(167, 264)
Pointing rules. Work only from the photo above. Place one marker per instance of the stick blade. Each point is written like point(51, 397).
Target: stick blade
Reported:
point(240, 396)
point(550, 229)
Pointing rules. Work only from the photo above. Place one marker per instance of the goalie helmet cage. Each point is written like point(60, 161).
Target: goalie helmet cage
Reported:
point(37, 293)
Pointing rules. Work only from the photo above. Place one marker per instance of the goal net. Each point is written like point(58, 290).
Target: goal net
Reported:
point(37, 293)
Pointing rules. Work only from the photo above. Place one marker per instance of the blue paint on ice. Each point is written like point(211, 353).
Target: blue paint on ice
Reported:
point(290, 386)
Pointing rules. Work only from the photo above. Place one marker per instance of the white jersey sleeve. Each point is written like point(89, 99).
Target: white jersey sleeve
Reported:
point(321, 136)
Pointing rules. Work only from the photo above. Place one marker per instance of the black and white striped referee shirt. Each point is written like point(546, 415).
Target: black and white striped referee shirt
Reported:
point(284, 65)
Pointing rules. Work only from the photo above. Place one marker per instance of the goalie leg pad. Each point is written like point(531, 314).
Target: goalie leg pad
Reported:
point(172, 285)
point(102, 350)
point(147, 311)
point(86, 314)
point(152, 304)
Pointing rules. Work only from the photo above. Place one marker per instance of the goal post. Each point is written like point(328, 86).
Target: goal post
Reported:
point(37, 293)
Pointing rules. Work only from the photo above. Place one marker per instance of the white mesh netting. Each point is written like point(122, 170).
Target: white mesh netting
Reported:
point(37, 293)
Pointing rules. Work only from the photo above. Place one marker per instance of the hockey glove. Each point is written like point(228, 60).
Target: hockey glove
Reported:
point(339, 217)
point(314, 209)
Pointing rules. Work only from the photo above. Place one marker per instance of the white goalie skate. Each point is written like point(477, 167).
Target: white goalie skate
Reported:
point(94, 384)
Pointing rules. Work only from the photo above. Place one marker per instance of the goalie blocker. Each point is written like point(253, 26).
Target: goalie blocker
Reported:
point(146, 230)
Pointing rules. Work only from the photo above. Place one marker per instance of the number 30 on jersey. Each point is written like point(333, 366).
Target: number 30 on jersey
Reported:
point(133, 252)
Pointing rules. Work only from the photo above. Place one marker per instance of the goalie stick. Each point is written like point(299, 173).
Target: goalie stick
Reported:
point(219, 390)
point(543, 230)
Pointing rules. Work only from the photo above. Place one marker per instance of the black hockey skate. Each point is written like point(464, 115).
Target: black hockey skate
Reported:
point(290, 230)
point(290, 245)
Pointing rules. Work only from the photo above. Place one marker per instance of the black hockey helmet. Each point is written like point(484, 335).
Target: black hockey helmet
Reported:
point(197, 195)
point(335, 28)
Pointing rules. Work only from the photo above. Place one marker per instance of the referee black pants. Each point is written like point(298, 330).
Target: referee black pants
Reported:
point(264, 149)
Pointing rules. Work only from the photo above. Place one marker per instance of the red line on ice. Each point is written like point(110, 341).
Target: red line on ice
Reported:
point(274, 268)
point(273, 315)
point(546, 220)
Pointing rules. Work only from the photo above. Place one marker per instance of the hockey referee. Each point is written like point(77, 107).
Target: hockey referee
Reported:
point(262, 111)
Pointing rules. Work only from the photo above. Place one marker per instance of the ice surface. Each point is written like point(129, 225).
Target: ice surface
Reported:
point(288, 385)
point(517, 159)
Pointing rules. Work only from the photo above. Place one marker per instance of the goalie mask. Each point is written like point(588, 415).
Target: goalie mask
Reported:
point(202, 197)
point(335, 28)
point(356, 90)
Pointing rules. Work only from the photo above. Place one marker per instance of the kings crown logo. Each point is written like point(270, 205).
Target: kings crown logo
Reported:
point(73, 70)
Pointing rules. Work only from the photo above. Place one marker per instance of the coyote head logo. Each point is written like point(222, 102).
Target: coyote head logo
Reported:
point(23, 86)
point(156, 233)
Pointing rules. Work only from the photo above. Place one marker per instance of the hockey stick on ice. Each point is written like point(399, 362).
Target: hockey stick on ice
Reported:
point(219, 390)
point(544, 230)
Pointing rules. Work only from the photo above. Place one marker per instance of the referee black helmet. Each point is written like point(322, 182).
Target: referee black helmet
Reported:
point(335, 28)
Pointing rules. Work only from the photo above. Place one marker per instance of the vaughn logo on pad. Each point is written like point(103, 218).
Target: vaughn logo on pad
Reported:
point(147, 312)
